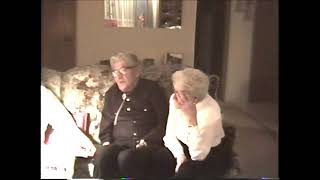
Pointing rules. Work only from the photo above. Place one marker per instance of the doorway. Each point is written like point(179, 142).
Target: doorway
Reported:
point(210, 37)
point(58, 18)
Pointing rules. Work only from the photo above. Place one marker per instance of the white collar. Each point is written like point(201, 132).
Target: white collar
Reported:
point(204, 102)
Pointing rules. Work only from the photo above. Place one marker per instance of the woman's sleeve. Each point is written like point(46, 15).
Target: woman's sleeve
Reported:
point(170, 138)
point(206, 135)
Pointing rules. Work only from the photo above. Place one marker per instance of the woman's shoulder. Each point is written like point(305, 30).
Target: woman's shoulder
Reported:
point(213, 102)
point(209, 106)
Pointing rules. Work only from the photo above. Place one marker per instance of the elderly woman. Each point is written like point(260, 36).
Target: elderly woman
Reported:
point(132, 125)
point(194, 128)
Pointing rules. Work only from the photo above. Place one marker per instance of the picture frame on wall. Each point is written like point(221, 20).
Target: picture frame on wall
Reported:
point(173, 58)
point(148, 62)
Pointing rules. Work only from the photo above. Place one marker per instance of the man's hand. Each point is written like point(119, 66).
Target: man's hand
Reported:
point(141, 143)
point(105, 143)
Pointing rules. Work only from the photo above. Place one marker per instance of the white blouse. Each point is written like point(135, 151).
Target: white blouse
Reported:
point(199, 139)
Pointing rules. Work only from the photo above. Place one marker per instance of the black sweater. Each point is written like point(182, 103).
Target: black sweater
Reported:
point(142, 116)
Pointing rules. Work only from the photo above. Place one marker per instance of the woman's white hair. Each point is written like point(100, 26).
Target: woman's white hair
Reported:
point(193, 81)
point(130, 59)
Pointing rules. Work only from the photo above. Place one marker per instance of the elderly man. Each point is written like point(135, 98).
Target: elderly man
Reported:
point(133, 125)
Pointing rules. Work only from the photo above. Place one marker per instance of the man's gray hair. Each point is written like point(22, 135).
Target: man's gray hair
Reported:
point(193, 81)
point(130, 59)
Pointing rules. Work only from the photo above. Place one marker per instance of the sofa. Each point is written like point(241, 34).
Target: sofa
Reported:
point(81, 89)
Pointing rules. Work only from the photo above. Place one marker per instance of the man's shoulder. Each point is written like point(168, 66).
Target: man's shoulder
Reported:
point(112, 89)
point(149, 83)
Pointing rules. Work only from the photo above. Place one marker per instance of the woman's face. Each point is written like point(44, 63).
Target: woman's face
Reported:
point(182, 96)
point(126, 77)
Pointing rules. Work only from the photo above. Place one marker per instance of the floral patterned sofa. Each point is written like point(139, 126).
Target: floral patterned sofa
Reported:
point(81, 90)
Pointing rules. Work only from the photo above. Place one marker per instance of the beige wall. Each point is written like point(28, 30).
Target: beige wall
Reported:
point(238, 56)
point(95, 42)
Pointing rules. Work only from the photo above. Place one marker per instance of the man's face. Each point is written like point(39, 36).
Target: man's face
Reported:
point(125, 76)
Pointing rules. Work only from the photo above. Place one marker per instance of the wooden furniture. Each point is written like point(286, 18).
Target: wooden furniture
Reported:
point(214, 85)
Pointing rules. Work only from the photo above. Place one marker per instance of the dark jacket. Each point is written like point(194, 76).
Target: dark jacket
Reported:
point(142, 116)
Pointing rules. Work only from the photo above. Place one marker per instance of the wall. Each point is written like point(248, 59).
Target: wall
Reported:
point(238, 54)
point(95, 42)
point(251, 56)
point(264, 69)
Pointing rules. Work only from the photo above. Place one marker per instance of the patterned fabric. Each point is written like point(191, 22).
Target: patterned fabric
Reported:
point(52, 80)
point(82, 88)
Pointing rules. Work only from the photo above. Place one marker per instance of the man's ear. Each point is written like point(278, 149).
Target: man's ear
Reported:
point(139, 70)
point(194, 100)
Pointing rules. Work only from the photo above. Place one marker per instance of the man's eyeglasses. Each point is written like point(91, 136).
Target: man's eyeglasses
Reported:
point(121, 71)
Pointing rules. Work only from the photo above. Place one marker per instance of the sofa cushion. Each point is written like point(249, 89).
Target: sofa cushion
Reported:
point(83, 89)
point(52, 80)
point(162, 73)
